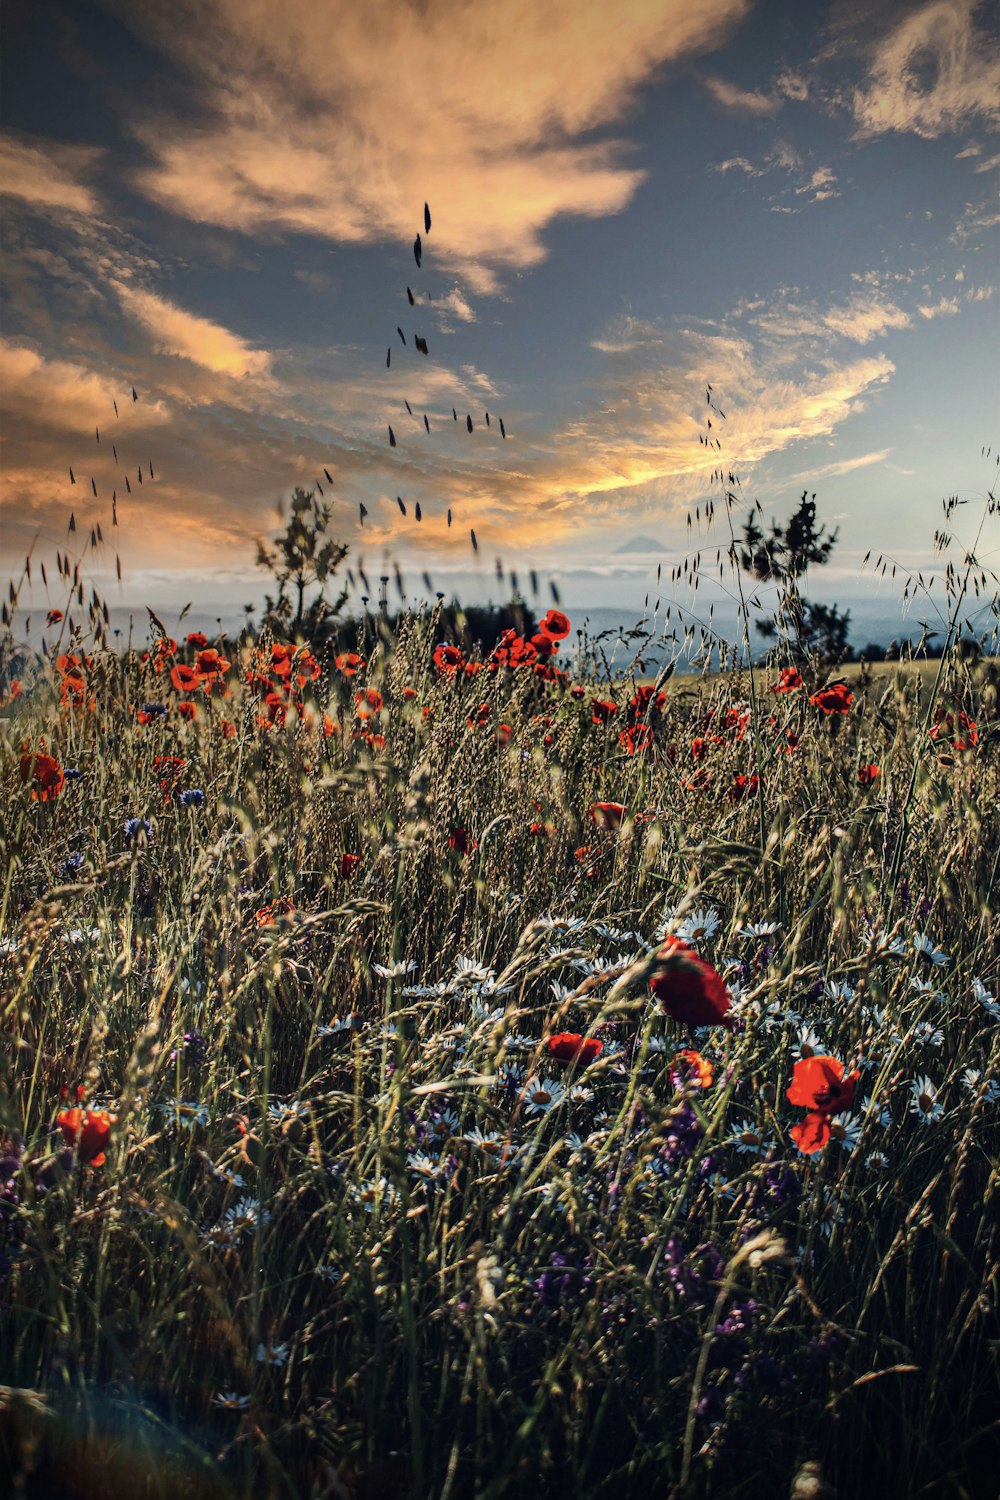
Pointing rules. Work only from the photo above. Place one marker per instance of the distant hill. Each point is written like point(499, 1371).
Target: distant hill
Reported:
point(640, 544)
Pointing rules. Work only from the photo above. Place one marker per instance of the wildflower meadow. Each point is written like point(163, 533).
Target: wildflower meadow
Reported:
point(433, 1071)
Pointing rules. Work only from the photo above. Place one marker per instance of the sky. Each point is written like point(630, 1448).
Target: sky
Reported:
point(214, 203)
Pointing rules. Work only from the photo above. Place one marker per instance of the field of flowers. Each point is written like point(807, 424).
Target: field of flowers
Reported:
point(434, 1077)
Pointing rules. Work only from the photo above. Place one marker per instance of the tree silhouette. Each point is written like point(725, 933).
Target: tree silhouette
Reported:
point(782, 556)
point(300, 557)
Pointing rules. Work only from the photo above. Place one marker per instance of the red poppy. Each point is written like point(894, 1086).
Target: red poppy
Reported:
point(227, 729)
point(544, 644)
point(689, 1067)
point(89, 1130)
point(819, 1084)
point(461, 841)
point(184, 678)
point(482, 714)
point(211, 664)
point(409, 692)
point(699, 782)
point(571, 1047)
point(593, 865)
point(602, 710)
point(542, 830)
point(606, 814)
point(944, 728)
point(836, 698)
point(14, 691)
point(268, 915)
point(788, 682)
point(348, 864)
point(448, 659)
point(45, 774)
point(330, 726)
point(743, 786)
point(349, 663)
point(688, 988)
point(644, 699)
point(504, 734)
point(54, 616)
point(197, 640)
point(698, 747)
point(791, 740)
point(307, 668)
point(170, 767)
point(867, 775)
point(368, 703)
point(556, 624)
point(187, 710)
point(812, 1133)
point(636, 739)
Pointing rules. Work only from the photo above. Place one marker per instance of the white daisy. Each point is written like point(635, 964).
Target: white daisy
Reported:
point(845, 1129)
point(924, 1102)
point(927, 1035)
point(542, 1094)
point(470, 971)
point(838, 989)
point(489, 1145)
point(759, 929)
point(271, 1354)
point(328, 1273)
point(748, 1139)
point(928, 948)
point(341, 1025)
point(702, 923)
point(807, 1042)
point(397, 970)
point(184, 1114)
point(230, 1401)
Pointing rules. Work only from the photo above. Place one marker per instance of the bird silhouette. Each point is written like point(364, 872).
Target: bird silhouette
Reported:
point(420, 344)
point(392, 438)
point(468, 422)
point(399, 502)
point(417, 251)
point(427, 220)
point(503, 430)
point(364, 511)
point(410, 296)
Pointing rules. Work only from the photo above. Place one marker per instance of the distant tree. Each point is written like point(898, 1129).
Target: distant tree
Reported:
point(301, 557)
point(782, 556)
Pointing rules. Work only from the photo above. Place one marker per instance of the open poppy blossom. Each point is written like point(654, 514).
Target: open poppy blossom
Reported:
point(789, 681)
point(743, 786)
point(448, 659)
point(184, 678)
point(197, 640)
point(187, 710)
point(45, 774)
point(602, 710)
point(54, 616)
point(571, 1047)
point(591, 861)
point(461, 841)
point(607, 814)
point(349, 663)
point(868, 775)
point(556, 625)
point(89, 1130)
point(348, 865)
point(210, 664)
point(636, 739)
point(368, 703)
point(687, 987)
point(963, 738)
point(836, 698)
point(268, 915)
point(688, 1069)
point(818, 1083)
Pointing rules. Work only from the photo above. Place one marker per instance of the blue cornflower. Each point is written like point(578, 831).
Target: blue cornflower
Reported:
point(154, 710)
point(72, 773)
point(71, 864)
point(132, 827)
point(193, 796)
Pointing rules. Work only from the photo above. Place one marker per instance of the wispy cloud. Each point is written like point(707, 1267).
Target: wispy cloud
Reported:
point(174, 331)
point(935, 71)
point(741, 101)
point(48, 176)
point(340, 121)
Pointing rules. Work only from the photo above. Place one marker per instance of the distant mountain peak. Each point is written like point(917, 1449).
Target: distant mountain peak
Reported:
point(640, 544)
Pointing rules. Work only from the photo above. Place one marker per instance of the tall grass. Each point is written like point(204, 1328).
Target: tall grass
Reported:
point(356, 1232)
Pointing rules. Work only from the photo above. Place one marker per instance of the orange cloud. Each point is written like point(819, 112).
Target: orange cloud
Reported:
point(340, 121)
point(175, 331)
point(933, 72)
point(46, 175)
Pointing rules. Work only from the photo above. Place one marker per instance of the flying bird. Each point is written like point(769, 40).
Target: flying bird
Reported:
point(503, 430)
point(410, 296)
point(363, 511)
point(417, 251)
point(392, 438)
point(329, 476)
point(468, 422)
point(402, 507)
point(420, 344)
point(427, 425)
point(400, 332)
point(427, 220)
